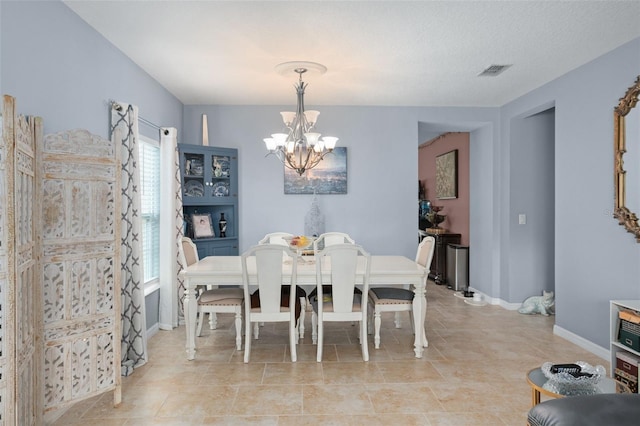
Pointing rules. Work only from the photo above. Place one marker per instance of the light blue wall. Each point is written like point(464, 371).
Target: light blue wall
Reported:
point(531, 245)
point(152, 308)
point(484, 208)
point(380, 208)
point(595, 259)
point(59, 68)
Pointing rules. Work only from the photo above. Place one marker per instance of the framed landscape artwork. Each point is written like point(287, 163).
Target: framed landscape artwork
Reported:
point(447, 175)
point(328, 177)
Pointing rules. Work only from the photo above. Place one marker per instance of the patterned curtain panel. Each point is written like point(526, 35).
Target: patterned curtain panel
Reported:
point(170, 220)
point(124, 131)
point(180, 225)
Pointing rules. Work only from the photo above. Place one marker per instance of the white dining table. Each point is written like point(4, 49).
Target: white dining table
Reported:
point(227, 270)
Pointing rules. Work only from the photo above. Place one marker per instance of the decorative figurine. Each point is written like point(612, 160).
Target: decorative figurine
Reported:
point(314, 219)
point(435, 217)
point(222, 225)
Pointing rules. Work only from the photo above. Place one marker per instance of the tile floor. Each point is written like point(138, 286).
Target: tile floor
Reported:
point(472, 373)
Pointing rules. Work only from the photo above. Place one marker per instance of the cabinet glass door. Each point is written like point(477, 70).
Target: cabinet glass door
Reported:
point(193, 170)
point(221, 176)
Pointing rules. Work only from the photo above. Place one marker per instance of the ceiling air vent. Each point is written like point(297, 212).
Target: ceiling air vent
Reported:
point(493, 70)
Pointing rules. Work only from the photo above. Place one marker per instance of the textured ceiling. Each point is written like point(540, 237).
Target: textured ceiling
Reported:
point(386, 53)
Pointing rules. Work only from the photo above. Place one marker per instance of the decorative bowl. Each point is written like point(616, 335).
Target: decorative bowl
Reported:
point(299, 242)
point(564, 383)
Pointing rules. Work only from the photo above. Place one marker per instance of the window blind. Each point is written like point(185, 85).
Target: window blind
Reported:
point(150, 203)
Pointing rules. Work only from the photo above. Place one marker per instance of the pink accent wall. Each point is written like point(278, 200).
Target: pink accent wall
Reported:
point(456, 210)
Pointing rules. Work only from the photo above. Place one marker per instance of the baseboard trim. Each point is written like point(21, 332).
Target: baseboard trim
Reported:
point(153, 330)
point(583, 343)
point(495, 301)
point(166, 327)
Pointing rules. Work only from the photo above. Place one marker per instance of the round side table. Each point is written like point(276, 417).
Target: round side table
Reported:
point(537, 380)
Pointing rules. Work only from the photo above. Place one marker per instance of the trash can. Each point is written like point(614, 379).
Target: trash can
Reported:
point(458, 267)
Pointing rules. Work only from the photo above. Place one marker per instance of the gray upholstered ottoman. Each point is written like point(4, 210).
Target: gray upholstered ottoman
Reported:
point(592, 410)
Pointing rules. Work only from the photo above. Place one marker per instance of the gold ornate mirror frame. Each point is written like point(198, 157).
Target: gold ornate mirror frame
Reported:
point(625, 217)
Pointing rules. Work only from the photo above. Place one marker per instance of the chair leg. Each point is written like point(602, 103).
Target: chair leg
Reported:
point(247, 339)
point(238, 329)
point(213, 321)
point(256, 330)
point(200, 321)
point(377, 322)
point(314, 327)
point(293, 338)
point(320, 341)
point(363, 340)
point(303, 310)
point(397, 320)
point(413, 327)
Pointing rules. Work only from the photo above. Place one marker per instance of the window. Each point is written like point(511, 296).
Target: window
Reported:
point(150, 202)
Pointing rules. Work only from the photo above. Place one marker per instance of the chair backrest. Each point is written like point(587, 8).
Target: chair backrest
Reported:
point(344, 261)
point(188, 252)
point(331, 238)
point(268, 262)
point(276, 238)
point(425, 252)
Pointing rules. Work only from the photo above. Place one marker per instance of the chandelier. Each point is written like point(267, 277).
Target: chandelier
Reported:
point(301, 148)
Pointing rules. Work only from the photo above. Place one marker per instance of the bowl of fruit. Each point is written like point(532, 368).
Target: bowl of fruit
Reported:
point(300, 243)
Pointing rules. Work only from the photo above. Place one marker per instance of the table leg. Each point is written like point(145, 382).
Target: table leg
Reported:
point(190, 313)
point(535, 397)
point(419, 314)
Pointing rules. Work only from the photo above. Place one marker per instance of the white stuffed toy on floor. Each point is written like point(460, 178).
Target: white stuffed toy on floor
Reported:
point(544, 305)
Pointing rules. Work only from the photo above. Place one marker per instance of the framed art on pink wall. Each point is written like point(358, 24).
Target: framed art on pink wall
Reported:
point(447, 175)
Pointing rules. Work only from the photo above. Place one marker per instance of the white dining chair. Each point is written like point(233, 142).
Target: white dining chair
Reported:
point(344, 304)
point(325, 240)
point(265, 304)
point(276, 238)
point(213, 300)
point(330, 238)
point(397, 299)
point(281, 238)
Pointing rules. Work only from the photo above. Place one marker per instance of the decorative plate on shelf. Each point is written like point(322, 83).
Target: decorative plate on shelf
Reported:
point(221, 189)
point(193, 188)
point(196, 168)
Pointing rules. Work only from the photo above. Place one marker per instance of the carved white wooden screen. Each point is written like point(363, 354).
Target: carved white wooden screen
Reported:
point(81, 267)
point(20, 296)
point(7, 280)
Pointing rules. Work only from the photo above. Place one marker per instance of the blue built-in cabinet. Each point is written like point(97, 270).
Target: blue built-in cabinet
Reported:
point(209, 179)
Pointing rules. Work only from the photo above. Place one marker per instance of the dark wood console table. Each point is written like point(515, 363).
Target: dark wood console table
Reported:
point(438, 271)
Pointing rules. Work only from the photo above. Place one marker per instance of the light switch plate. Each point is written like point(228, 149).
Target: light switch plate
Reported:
point(522, 219)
